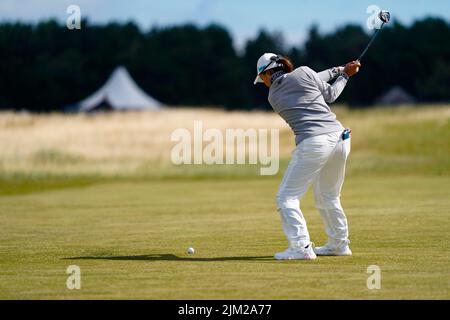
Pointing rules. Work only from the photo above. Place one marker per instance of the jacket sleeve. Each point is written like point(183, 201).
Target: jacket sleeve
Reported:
point(325, 75)
point(330, 92)
point(329, 74)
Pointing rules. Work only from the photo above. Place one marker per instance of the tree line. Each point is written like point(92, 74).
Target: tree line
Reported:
point(45, 66)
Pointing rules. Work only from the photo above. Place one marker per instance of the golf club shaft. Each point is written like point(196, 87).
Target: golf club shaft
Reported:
point(370, 43)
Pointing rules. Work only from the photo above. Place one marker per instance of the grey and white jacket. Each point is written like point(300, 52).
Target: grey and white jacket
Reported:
point(301, 96)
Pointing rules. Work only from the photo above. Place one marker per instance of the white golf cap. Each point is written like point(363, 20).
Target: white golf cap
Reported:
point(265, 62)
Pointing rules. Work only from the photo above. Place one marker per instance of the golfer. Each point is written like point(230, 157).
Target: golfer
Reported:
point(300, 97)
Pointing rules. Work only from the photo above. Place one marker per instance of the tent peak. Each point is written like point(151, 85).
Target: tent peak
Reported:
point(120, 92)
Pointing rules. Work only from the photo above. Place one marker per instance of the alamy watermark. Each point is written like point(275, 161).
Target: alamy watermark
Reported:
point(373, 21)
point(234, 146)
point(73, 21)
point(374, 280)
point(74, 280)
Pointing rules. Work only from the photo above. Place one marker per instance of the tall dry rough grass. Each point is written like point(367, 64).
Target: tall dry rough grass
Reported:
point(135, 142)
point(108, 142)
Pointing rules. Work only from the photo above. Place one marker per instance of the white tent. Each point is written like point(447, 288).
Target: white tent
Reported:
point(120, 92)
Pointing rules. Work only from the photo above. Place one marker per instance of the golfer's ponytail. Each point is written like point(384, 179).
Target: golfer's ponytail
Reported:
point(288, 66)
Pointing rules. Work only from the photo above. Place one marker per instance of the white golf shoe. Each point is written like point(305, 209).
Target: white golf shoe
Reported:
point(306, 253)
point(334, 249)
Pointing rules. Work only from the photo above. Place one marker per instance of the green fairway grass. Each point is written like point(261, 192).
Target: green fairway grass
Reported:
point(130, 239)
point(100, 193)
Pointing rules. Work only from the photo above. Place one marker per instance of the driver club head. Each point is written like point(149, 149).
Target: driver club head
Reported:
point(384, 16)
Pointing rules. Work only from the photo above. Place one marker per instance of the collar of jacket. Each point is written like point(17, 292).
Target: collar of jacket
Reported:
point(276, 75)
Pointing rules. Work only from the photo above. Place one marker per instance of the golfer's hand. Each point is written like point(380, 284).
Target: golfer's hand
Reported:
point(352, 68)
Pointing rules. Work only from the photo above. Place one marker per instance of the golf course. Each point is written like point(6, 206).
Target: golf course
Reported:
point(100, 192)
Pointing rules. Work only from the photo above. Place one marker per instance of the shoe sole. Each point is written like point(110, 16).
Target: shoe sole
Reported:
point(282, 259)
point(335, 254)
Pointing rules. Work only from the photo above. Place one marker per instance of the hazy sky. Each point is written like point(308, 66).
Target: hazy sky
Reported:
point(242, 17)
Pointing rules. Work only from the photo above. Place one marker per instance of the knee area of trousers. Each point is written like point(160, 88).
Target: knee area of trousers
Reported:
point(284, 202)
point(328, 202)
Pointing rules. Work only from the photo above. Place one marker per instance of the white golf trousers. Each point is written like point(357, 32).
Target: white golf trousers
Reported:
point(319, 160)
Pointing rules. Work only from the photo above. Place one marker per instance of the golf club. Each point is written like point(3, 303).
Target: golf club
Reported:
point(384, 16)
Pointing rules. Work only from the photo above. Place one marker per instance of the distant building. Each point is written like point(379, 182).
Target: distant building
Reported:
point(395, 96)
point(120, 92)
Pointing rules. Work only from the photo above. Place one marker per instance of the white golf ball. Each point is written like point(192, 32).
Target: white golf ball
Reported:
point(190, 250)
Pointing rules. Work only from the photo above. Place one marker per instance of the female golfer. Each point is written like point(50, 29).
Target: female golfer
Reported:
point(300, 97)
